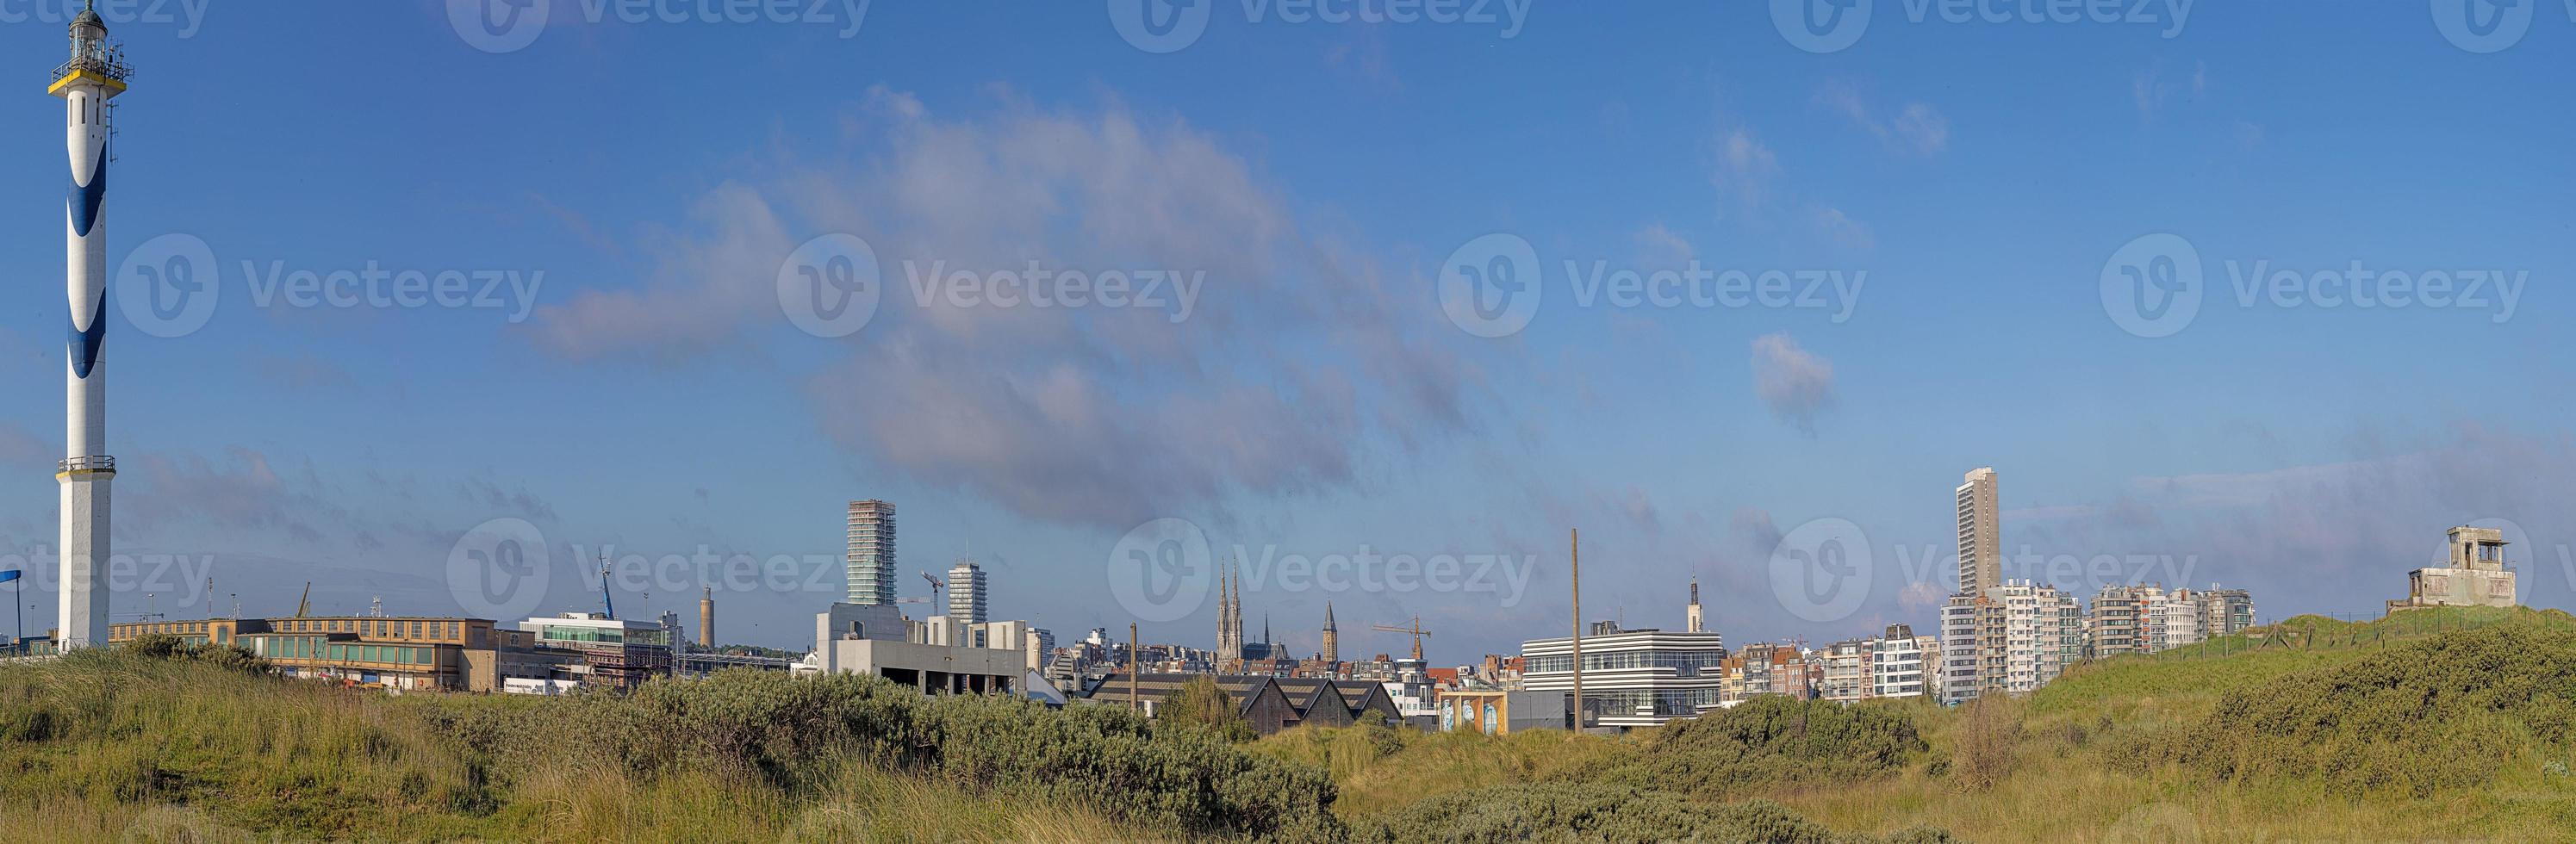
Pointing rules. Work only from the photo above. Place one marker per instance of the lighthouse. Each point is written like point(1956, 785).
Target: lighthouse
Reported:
point(95, 74)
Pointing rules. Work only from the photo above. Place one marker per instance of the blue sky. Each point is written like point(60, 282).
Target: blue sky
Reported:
point(651, 393)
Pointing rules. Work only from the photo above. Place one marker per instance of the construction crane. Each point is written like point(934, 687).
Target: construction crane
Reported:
point(1416, 631)
point(606, 600)
point(304, 605)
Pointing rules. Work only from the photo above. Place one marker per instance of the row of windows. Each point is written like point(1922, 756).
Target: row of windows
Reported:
point(317, 648)
point(1689, 661)
point(605, 635)
point(376, 627)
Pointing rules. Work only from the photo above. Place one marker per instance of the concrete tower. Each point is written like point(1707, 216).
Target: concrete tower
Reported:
point(707, 619)
point(1693, 622)
point(1981, 541)
point(95, 74)
point(1332, 637)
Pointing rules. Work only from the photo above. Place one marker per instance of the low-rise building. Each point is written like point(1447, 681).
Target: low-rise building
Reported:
point(1631, 678)
point(2474, 574)
point(1496, 712)
point(410, 654)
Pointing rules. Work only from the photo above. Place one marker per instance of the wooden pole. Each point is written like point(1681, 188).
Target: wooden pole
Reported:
point(1575, 538)
point(1132, 657)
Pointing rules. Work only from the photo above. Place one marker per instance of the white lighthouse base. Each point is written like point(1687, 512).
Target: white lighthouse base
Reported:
point(82, 591)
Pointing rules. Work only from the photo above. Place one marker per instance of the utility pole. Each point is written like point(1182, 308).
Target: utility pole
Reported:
point(1132, 658)
point(1575, 538)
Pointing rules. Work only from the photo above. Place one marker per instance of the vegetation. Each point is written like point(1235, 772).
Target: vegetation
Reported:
point(2431, 725)
point(1200, 701)
point(2435, 724)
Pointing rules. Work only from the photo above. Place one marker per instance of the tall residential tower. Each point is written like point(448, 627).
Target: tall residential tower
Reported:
point(95, 74)
point(871, 552)
point(1981, 541)
point(966, 593)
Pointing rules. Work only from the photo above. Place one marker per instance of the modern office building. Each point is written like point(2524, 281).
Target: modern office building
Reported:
point(966, 598)
point(2473, 575)
point(872, 572)
point(1981, 542)
point(1632, 678)
point(616, 653)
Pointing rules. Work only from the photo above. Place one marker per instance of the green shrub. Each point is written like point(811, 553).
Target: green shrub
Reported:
point(1613, 814)
point(2442, 712)
point(1766, 741)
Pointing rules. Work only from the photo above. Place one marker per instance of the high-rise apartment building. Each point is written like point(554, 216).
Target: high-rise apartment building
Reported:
point(1981, 544)
point(2116, 624)
point(1846, 670)
point(966, 593)
point(872, 574)
point(2224, 612)
point(1957, 671)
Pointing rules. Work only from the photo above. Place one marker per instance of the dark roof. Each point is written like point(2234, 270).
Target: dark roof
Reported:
point(1243, 688)
point(1305, 693)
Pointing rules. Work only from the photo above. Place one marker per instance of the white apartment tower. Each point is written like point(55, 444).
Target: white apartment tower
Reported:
point(872, 552)
point(966, 593)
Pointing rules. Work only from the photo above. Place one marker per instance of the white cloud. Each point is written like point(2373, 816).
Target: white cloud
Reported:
point(1796, 385)
point(1302, 355)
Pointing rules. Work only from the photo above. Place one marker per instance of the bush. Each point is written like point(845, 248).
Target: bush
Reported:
point(1766, 741)
point(2443, 712)
point(1597, 812)
point(1200, 701)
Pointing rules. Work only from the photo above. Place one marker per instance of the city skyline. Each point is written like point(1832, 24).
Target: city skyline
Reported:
point(638, 387)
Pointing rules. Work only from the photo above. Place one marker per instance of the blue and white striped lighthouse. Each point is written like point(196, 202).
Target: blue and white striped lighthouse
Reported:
point(95, 74)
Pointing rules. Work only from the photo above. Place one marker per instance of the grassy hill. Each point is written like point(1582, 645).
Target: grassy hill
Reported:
point(2432, 725)
point(2441, 725)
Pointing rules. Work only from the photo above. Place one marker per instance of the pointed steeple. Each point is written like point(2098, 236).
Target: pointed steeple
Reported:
point(1328, 613)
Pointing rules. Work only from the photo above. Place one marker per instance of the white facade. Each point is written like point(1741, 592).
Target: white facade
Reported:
point(1632, 678)
point(966, 599)
point(1957, 671)
point(1900, 663)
